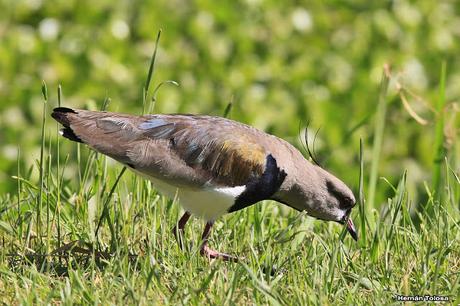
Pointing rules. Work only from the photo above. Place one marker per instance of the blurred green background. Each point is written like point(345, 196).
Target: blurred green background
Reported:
point(282, 63)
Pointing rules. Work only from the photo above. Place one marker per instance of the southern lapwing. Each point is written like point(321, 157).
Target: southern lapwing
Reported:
point(214, 165)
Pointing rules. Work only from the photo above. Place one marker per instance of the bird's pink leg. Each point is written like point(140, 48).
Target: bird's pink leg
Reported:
point(209, 253)
point(178, 229)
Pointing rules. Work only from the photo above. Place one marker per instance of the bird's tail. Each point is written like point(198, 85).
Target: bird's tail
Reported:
point(65, 116)
point(109, 133)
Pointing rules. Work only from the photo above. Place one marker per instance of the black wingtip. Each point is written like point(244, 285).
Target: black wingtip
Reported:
point(64, 110)
point(68, 133)
point(60, 115)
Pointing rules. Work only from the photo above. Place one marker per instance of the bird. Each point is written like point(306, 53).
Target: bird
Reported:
point(214, 165)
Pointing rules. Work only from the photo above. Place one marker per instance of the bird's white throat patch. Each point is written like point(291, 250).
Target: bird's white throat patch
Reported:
point(208, 203)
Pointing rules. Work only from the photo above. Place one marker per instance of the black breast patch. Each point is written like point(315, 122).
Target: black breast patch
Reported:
point(261, 188)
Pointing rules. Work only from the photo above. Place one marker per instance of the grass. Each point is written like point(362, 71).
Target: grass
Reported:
point(108, 240)
point(378, 136)
point(289, 258)
point(439, 134)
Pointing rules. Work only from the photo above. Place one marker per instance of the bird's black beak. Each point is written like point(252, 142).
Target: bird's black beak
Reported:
point(350, 226)
point(351, 229)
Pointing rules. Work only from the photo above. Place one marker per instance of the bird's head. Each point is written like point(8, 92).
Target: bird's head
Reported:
point(324, 197)
point(332, 200)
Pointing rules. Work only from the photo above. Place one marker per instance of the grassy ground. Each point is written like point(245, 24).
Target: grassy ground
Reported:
point(288, 257)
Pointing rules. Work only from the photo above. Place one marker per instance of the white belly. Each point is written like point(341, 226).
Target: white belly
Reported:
point(208, 203)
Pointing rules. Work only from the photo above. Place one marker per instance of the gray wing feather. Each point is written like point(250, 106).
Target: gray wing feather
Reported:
point(224, 151)
point(182, 149)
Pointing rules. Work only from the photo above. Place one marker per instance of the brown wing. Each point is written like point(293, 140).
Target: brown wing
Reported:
point(224, 151)
point(180, 149)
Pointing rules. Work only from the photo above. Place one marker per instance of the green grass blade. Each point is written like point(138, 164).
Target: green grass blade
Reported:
point(155, 93)
point(151, 71)
point(42, 149)
point(105, 210)
point(439, 152)
point(228, 108)
point(361, 200)
point(378, 138)
point(58, 170)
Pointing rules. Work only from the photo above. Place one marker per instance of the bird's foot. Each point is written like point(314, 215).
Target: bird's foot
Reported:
point(212, 254)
